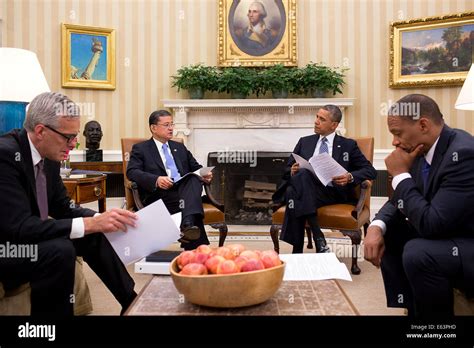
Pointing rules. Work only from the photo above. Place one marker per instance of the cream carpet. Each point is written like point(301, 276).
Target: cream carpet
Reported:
point(366, 291)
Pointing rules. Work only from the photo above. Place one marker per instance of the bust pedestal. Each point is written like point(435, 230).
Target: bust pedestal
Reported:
point(93, 155)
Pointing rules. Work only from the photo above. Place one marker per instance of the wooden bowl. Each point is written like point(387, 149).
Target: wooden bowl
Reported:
point(228, 290)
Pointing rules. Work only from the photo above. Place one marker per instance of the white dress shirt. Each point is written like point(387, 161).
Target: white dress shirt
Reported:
point(77, 227)
point(330, 143)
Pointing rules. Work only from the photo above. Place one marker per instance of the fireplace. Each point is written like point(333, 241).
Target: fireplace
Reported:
point(245, 182)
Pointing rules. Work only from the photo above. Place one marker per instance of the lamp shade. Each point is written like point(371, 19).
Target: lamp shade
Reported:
point(465, 99)
point(21, 80)
point(21, 76)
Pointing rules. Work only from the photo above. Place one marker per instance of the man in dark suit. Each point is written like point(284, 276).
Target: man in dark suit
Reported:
point(31, 190)
point(156, 164)
point(303, 193)
point(423, 237)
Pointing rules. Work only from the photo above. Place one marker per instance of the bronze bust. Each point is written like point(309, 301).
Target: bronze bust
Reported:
point(93, 134)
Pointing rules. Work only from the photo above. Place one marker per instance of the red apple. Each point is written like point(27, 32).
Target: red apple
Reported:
point(236, 249)
point(270, 258)
point(252, 265)
point(184, 258)
point(194, 269)
point(204, 248)
point(240, 260)
point(225, 252)
point(200, 257)
point(250, 254)
point(227, 267)
point(212, 263)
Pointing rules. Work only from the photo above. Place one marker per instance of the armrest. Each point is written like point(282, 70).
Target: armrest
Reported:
point(365, 187)
point(136, 196)
point(210, 197)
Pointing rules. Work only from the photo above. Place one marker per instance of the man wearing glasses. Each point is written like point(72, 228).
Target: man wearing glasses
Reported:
point(36, 211)
point(157, 164)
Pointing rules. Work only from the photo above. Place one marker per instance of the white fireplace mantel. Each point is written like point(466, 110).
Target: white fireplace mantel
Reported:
point(253, 124)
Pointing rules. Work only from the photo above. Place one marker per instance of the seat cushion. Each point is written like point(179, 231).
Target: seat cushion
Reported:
point(212, 215)
point(335, 216)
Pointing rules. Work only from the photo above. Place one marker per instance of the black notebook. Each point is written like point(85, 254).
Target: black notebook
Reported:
point(162, 256)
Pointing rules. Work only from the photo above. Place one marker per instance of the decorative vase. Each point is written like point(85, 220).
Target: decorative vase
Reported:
point(196, 93)
point(318, 93)
point(279, 93)
point(237, 95)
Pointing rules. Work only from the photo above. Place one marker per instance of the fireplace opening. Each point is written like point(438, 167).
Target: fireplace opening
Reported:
point(245, 182)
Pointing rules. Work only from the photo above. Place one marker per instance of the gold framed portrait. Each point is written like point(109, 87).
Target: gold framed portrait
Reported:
point(257, 33)
point(434, 51)
point(87, 57)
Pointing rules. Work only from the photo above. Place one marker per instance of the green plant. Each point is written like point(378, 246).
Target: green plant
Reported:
point(278, 78)
point(316, 76)
point(197, 76)
point(237, 80)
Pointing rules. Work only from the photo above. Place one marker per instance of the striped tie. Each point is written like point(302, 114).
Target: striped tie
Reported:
point(41, 191)
point(324, 146)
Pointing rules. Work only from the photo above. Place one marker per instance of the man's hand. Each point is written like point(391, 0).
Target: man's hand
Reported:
point(110, 221)
point(207, 178)
point(374, 245)
point(164, 182)
point(294, 168)
point(400, 161)
point(341, 180)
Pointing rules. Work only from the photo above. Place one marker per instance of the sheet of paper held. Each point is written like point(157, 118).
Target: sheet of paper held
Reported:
point(314, 267)
point(326, 168)
point(304, 164)
point(200, 172)
point(156, 229)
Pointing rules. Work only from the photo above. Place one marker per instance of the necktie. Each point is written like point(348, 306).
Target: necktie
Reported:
point(425, 172)
point(324, 146)
point(41, 191)
point(170, 163)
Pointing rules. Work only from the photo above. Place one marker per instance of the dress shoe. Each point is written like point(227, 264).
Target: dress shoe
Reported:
point(189, 233)
point(321, 246)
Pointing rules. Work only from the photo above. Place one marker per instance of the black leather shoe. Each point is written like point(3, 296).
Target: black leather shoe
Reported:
point(189, 233)
point(321, 246)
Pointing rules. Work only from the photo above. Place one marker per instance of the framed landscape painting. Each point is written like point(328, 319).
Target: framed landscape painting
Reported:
point(88, 57)
point(435, 51)
point(257, 33)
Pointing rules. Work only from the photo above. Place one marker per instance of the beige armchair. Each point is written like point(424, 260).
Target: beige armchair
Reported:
point(18, 301)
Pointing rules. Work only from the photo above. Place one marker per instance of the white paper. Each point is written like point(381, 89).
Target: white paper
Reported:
point(200, 172)
point(155, 230)
point(304, 164)
point(314, 267)
point(326, 168)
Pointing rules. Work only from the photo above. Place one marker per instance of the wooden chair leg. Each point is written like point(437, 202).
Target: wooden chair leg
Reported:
point(355, 237)
point(310, 239)
point(274, 234)
point(366, 227)
point(222, 227)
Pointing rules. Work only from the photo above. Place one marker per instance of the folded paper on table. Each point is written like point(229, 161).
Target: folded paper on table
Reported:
point(200, 173)
point(156, 229)
point(314, 267)
point(323, 166)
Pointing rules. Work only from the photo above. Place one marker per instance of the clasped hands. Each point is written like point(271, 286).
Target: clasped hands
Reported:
point(340, 180)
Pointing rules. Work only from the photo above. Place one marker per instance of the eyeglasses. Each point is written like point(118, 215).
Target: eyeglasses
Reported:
point(166, 125)
point(69, 137)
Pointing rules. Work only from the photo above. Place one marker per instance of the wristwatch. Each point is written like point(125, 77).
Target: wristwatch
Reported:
point(351, 178)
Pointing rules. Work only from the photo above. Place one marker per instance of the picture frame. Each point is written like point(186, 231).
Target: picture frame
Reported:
point(87, 57)
point(433, 51)
point(263, 35)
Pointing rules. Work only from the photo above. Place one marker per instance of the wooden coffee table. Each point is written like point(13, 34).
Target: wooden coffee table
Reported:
point(318, 297)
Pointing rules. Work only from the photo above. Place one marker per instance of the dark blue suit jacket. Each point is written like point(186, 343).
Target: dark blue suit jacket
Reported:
point(345, 151)
point(145, 165)
point(20, 216)
point(446, 209)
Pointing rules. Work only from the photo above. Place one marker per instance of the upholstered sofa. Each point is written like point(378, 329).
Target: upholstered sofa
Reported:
point(17, 301)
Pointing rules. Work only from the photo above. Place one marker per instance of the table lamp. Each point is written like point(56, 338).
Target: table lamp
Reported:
point(465, 99)
point(21, 79)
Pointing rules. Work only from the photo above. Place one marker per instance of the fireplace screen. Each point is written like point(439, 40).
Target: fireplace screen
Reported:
point(245, 182)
